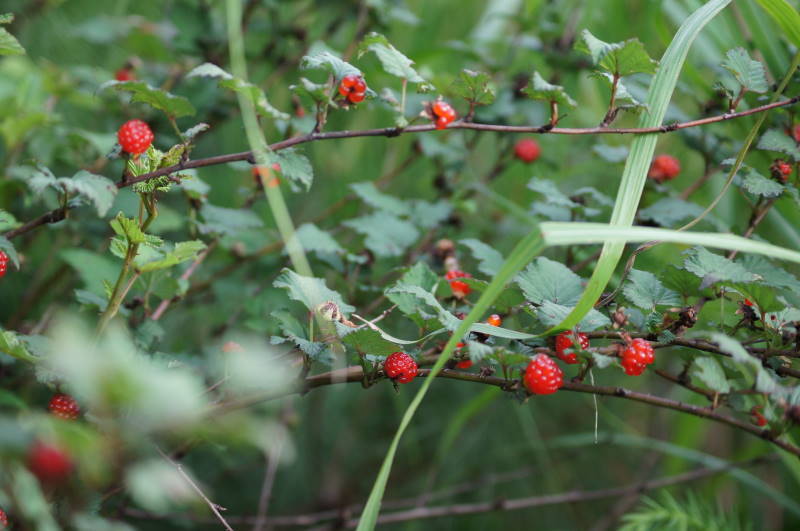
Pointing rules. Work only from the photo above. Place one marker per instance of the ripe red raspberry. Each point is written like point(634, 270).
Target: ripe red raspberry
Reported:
point(400, 366)
point(664, 168)
point(65, 407)
point(3, 263)
point(637, 356)
point(527, 150)
point(564, 342)
point(543, 376)
point(353, 87)
point(49, 463)
point(756, 417)
point(124, 74)
point(781, 170)
point(135, 136)
point(494, 320)
point(460, 289)
point(3, 519)
point(443, 113)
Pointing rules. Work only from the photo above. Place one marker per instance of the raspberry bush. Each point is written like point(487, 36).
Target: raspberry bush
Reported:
point(222, 252)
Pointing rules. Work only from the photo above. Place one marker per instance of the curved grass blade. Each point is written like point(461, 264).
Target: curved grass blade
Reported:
point(785, 16)
point(635, 174)
point(530, 246)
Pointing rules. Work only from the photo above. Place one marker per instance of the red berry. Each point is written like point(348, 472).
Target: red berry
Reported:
point(783, 169)
point(124, 74)
point(564, 342)
point(49, 463)
point(543, 376)
point(400, 366)
point(664, 168)
point(135, 136)
point(3, 518)
point(65, 407)
point(757, 418)
point(459, 289)
point(466, 364)
point(353, 87)
point(637, 356)
point(495, 320)
point(796, 133)
point(443, 113)
point(527, 150)
point(748, 302)
point(3, 263)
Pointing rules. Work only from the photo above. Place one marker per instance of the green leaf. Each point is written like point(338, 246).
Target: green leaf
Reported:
point(448, 320)
point(169, 104)
point(99, 190)
point(715, 268)
point(539, 89)
point(710, 372)
point(130, 230)
point(380, 201)
point(669, 211)
point(551, 192)
point(330, 63)
point(644, 290)
point(777, 140)
point(489, 260)
point(749, 366)
point(474, 87)
point(637, 165)
point(417, 275)
point(7, 247)
point(393, 62)
point(296, 167)
point(368, 341)
point(9, 45)
point(310, 291)
point(317, 92)
point(312, 238)
point(757, 184)
point(546, 280)
point(551, 314)
point(619, 58)
point(7, 221)
point(182, 252)
point(227, 221)
point(250, 91)
point(384, 234)
point(12, 345)
point(749, 73)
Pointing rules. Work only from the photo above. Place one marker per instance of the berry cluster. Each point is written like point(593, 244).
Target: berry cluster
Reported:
point(781, 170)
point(564, 345)
point(65, 407)
point(3, 263)
point(527, 150)
point(543, 376)
point(353, 88)
point(459, 288)
point(637, 356)
point(664, 168)
point(400, 367)
point(135, 137)
point(443, 113)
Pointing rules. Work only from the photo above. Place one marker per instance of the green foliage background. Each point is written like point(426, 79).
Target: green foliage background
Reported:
point(53, 112)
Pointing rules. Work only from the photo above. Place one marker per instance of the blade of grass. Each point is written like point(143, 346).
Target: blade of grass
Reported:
point(530, 246)
point(785, 16)
point(636, 167)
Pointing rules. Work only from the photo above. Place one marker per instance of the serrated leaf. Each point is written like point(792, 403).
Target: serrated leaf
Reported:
point(602, 361)
point(296, 167)
point(7, 247)
point(771, 274)
point(539, 89)
point(227, 221)
point(7, 221)
point(489, 260)
point(384, 234)
point(777, 140)
point(552, 314)
point(710, 372)
point(190, 134)
point(182, 252)
point(170, 104)
point(393, 62)
point(611, 154)
point(644, 290)
point(330, 63)
point(318, 92)
point(130, 230)
point(9, 45)
point(380, 201)
point(669, 211)
point(368, 341)
point(757, 184)
point(417, 275)
point(749, 73)
point(714, 267)
point(499, 331)
point(429, 215)
point(100, 190)
point(448, 320)
point(750, 366)
point(623, 99)
point(310, 291)
point(312, 238)
point(208, 70)
point(546, 280)
point(550, 191)
point(12, 345)
point(619, 58)
point(474, 87)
